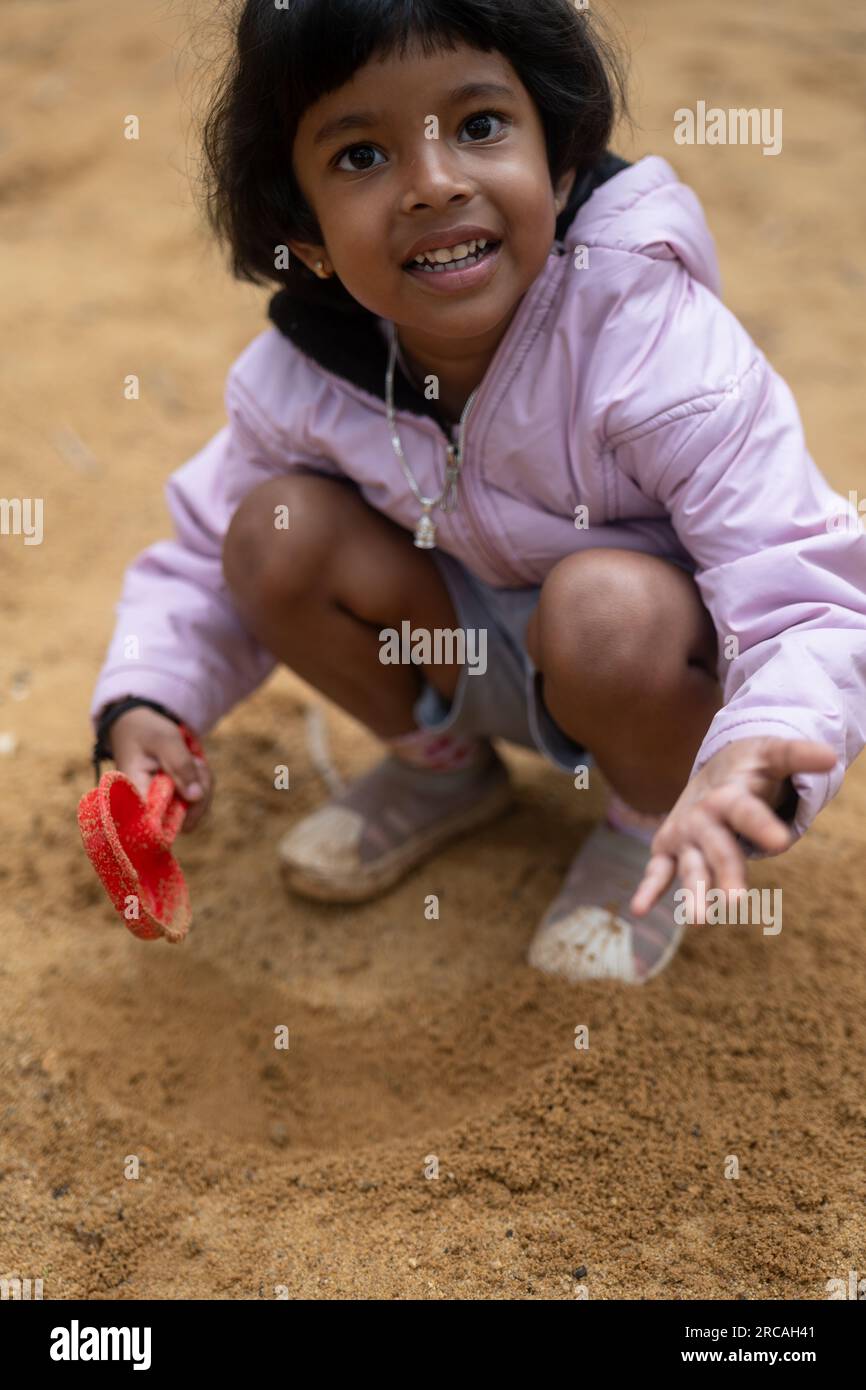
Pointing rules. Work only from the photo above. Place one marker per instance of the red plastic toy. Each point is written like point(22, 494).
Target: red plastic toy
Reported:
point(129, 843)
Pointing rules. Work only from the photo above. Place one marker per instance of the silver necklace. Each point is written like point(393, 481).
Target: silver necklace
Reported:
point(425, 530)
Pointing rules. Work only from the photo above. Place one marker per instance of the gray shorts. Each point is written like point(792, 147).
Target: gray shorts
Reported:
point(505, 700)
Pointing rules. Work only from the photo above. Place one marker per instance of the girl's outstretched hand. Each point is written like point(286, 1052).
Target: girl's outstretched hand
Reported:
point(732, 794)
point(144, 742)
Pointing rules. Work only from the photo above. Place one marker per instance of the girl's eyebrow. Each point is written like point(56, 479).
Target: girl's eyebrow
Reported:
point(363, 120)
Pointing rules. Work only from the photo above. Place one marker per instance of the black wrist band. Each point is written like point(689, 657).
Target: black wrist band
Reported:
point(112, 711)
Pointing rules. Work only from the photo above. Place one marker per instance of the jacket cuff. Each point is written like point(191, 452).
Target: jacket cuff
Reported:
point(173, 692)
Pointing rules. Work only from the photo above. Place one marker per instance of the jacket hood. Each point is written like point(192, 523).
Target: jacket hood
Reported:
point(648, 211)
point(640, 207)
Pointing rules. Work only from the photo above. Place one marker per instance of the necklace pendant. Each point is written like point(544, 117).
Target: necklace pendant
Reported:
point(425, 533)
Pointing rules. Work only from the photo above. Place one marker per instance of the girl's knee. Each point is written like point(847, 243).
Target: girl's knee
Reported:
point(278, 540)
point(619, 614)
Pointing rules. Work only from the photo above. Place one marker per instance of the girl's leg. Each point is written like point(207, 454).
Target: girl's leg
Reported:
point(628, 655)
point(317, 595)
point(628, 658)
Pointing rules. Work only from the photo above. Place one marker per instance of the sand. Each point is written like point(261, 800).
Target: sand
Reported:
point(411, 1042)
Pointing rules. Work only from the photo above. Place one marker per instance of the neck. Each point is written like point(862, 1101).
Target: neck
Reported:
point(459, 364)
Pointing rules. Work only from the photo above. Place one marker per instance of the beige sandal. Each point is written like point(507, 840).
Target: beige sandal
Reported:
point(396, 816)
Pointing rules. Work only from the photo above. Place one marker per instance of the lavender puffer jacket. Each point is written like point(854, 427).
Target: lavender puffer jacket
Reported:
point(622, 385)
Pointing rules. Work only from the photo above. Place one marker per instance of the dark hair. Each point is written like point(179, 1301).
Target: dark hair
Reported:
point(284, 59)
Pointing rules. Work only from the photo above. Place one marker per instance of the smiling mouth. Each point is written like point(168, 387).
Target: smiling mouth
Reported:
point(448, 267)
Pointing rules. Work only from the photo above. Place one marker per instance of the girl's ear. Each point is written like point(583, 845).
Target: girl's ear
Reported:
point(315, 258)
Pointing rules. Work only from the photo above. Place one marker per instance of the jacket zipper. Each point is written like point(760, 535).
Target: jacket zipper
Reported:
point(494, 561)
point(454, 460)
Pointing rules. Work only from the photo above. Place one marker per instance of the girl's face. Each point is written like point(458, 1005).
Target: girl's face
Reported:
point(393, 186)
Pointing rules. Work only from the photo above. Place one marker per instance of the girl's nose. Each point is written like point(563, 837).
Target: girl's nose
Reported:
point(435, 175)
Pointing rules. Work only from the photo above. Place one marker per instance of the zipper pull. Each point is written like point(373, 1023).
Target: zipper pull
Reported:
point(452, 473)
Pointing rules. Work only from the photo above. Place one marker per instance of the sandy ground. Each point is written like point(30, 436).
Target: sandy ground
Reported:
point(408, 1038)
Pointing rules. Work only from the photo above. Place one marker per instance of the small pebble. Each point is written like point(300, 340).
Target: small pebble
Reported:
point(20, 686)
point(580, 1273)
point(279, 1134)
point(8, 744)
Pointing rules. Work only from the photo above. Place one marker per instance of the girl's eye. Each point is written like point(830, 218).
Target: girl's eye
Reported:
point(485, 117)
point(350, 153)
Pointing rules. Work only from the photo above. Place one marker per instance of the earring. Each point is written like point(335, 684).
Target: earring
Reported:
point(320, 271)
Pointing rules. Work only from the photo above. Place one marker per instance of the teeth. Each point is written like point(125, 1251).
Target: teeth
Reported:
point(443, 254)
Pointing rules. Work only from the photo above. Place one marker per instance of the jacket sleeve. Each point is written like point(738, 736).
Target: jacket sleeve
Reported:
point(781, 559)
point(178, 638)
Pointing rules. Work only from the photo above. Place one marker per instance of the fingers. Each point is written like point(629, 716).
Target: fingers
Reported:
point(140, 769)
point(692, 870)
point(199, 808)
point(703, 851)
point(697, 841)
point(180, 765)
point(752, 817)
point(143, 741)
point(657, 875)
point(787, 755)
point(191, 776)
point(148, 744)
point(724, 863)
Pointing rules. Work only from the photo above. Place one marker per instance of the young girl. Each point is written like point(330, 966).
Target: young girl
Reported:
point(500, 398)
